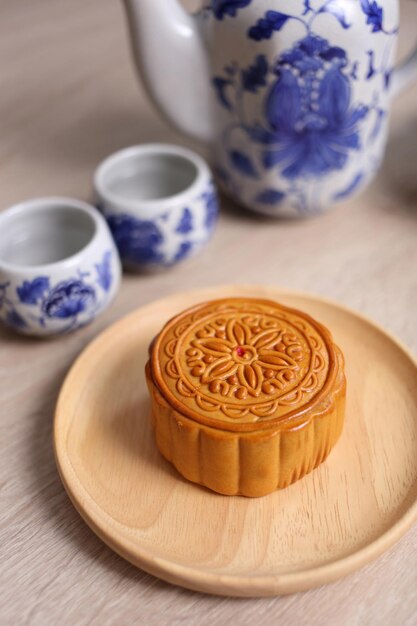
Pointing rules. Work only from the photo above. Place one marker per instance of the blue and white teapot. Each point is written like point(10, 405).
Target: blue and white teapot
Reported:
point(292, 96)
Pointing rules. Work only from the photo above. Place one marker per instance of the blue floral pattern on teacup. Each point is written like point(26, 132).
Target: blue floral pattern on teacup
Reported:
point(167, 238)
point(68, 299)
point(211, 208)
point(70, 303)
point(186, 222)
point(137, 240)
point(30, 292)
point(14, 320)
point(104, 271)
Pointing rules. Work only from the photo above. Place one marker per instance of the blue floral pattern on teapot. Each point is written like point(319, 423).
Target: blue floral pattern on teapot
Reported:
point(307, 126)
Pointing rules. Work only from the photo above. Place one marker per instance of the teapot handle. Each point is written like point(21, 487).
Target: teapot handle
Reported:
point(405, 74)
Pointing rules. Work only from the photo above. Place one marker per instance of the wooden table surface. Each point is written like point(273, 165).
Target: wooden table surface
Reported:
point(69, 97)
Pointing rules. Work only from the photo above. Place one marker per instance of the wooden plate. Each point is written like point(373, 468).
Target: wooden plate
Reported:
point(348, 511)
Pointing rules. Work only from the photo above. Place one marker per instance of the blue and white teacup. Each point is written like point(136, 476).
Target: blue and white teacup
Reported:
point(59, 267)
point(160, 203)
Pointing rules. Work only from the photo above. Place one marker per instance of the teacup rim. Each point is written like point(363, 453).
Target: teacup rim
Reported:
point(47, 202)
point(147, 207)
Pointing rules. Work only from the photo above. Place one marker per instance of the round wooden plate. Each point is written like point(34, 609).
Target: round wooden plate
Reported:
point(348, 511)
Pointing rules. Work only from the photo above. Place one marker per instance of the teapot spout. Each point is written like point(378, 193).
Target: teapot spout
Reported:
point(172, 61)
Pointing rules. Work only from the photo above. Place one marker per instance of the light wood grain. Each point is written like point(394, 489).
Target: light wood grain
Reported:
point(69, 97)
point(348, 511)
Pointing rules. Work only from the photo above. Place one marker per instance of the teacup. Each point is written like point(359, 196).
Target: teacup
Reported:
point(59, 267)
point(160, 203)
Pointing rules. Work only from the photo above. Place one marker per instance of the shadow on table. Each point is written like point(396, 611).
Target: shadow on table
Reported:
point(398, 173)
point(9, 337)
point(235, 211)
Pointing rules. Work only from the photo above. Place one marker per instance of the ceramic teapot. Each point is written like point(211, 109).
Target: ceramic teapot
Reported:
point(293, 97)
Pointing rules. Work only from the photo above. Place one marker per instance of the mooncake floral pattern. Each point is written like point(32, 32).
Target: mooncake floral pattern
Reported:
point(243, 361)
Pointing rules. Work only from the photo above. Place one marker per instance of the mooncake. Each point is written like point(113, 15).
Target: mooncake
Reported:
point(248, 396)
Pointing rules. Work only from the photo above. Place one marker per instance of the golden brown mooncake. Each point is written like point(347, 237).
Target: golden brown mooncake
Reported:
point(247, 395)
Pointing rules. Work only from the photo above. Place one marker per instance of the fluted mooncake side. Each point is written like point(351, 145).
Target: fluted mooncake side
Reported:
point(286, 423)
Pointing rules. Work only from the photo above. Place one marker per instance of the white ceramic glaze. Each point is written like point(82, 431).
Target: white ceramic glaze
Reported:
point(173, 63)
point(59, 267)
point(293, 96)
point(159, 201)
